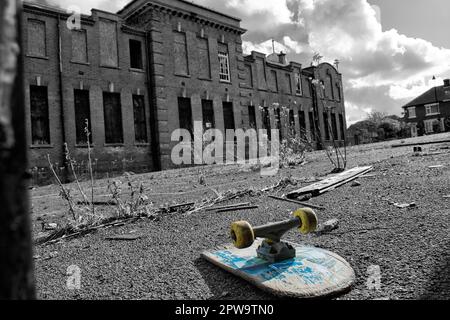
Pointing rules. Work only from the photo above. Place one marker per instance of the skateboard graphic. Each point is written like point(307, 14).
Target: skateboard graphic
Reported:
point(279, 267)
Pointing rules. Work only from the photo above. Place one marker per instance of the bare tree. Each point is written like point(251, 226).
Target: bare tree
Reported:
point(16, 268)
point(376, 117)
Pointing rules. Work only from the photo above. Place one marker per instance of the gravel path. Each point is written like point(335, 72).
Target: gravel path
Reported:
point(410, 246)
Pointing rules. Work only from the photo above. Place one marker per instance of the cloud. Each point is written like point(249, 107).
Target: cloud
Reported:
point(382, 70)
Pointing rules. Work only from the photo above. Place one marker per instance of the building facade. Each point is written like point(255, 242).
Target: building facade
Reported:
point(151, 68)
point(430, 112)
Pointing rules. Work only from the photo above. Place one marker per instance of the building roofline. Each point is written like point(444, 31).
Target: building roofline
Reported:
point(51, 9)
point(189, 3)
point(323, 63)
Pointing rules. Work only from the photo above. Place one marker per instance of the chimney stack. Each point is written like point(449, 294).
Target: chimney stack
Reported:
point(282, 57)
point(447, 83)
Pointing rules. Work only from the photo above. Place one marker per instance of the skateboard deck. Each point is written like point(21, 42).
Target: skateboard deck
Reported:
point(314, 272)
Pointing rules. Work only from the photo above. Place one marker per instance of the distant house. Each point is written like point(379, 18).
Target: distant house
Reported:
point(430, 112)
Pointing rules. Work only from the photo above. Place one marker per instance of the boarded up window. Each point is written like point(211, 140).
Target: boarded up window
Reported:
point(140, 121)
point(113, 117)
point(329, 89)
point(312, 128)
point(208, 115)
point(37, 38)
point(108, 44)
point(205, 64)
point(185, 115)
point(288, 83)
point(252, 117)
point(273, 80)
point(342, 126)
point(326, 125)
point(136, 54)
point(40, 130)
point(301, 121)
point(278, 122)
point(82, 113)
point(334, 126)
point(261, 72)
point(298, 83)
point(79, 46)
point(291, 122)
point(228, 115)
point(338, 90)
point(249, 75)
point(181, 58)
point(266, 121)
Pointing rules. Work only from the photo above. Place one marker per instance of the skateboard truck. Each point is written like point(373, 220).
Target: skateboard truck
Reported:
point(272, 248)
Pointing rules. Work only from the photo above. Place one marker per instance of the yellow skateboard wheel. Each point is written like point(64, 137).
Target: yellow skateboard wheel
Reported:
point(308, 218)
point(242, 234)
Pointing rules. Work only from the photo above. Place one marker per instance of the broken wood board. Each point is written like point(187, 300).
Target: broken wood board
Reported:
point(306, 204)
point(237, 208)
point(330, 183)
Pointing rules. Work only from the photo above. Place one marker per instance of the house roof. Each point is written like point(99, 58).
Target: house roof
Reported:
point(433, 95)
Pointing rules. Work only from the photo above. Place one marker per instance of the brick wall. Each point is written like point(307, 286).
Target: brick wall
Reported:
point(95, 78)
point(155, 27)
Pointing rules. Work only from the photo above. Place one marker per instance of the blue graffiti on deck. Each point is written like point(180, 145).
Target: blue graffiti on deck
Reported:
point(281, 271)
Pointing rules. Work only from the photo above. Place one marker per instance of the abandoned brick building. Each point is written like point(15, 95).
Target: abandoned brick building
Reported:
point(155, 66)
point(430, 112)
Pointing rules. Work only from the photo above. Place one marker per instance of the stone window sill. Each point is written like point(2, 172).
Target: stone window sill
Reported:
point(80, 62)
point(113, 145)
point(182, 75)
point(83, 145)
point(42, 146)
point(110, 67)
point(137, 70)
point(37, 57)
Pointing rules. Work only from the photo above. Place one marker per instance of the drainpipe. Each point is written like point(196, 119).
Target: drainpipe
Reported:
point(154, 131)
point(61, 98)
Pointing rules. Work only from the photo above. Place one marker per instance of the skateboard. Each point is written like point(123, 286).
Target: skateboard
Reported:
point(283, 268)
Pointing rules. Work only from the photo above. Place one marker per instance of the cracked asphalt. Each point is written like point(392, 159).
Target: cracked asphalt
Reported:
point(410, 246)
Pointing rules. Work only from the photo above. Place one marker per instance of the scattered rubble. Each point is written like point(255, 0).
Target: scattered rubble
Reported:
point(405, 205)
point(49, 226)
point(356, 183)
point(327, 226)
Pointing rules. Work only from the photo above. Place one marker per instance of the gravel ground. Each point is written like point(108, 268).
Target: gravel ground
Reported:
point(410, 246)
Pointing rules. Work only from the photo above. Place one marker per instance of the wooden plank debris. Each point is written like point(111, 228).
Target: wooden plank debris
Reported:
point(330, 183)
point(237, 208)
point(243, 204)
point(306, 204)
point(418, 143)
